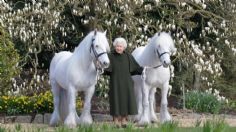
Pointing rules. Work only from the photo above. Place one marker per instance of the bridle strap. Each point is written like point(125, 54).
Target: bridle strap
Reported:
point(159, 55)
point(157, 66)
point(163, 54)
point(94, 51)
point(96, 55)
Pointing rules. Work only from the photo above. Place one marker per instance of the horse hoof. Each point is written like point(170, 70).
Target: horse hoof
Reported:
point(166, 119)
point(70, 125)
point(53, 124)
point(136, 118)
point(86, 120)
point(70, 121)
point(154, 120)
point(143, 121)
point(54, 120)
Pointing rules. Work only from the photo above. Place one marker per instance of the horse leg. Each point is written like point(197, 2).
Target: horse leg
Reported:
point(164, 114)
point(86, 117)
point(145, 113)
point(152, 104)
point(55, 118)
point(71, 119)
point(64, 105)
point(138, 93)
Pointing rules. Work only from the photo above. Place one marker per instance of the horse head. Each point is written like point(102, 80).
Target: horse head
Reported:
point(164, 48)
point(99, 49)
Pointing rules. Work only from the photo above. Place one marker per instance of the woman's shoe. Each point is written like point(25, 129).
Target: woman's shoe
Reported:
point(116, 122)
point(124, 122)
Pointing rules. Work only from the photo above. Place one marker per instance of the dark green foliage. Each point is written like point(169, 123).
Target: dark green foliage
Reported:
point(9, 59)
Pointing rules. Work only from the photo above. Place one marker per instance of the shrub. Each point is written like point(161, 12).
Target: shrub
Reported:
point(42, 103)
point(9, 59)
point(207, 101)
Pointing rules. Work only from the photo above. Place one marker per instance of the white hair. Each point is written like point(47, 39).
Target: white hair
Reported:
point(120, 41)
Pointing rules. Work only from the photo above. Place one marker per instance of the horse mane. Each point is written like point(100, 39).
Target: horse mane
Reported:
point(86, 40)
point(165, 38)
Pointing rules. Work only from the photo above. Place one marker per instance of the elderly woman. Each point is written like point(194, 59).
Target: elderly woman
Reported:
point(121, 92)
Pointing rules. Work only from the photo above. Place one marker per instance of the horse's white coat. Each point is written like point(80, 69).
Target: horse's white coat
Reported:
point(155, 54)
point(73, 72)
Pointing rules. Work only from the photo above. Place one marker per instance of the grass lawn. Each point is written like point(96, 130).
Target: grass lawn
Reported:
point(108, 127)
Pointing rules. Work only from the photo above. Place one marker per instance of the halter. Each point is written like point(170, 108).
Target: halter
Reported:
point(143, 76)
point(159, 55)
point(96, 55)
point(94, 51)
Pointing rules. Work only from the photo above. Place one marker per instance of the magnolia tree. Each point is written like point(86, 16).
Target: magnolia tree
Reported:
point(32, 25)
point(202, 29)
point(227, 80)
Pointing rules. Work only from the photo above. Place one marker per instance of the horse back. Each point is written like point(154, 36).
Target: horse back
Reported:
point(137, 53)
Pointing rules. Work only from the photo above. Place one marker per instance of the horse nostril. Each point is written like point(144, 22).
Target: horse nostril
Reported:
point(166, 64)
point(105, 63)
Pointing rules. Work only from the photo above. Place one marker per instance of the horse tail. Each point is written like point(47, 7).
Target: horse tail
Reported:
point(63, 106)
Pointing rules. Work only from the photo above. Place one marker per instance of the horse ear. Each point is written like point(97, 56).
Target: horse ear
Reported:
point(95, 31)
point(158, 34)
point(173, 51)
point(105, 32)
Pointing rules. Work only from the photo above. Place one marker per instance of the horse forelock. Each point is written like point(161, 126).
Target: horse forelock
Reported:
point(103, 42)
point(164, 39)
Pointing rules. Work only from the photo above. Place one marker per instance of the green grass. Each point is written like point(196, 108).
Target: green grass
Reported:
point(208, 126)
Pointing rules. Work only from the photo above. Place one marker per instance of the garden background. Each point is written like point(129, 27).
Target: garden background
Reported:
point(204, 31)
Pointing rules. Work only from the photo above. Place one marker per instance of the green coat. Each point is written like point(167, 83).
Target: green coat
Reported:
point(121, 93)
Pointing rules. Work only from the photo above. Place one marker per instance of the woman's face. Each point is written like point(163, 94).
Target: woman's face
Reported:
point(119, 48)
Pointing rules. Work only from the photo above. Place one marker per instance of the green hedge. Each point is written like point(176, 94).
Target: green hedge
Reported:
point(42, 103)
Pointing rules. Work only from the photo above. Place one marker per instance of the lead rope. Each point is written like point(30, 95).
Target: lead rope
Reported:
point(98, 69)
point(98, 75)
point(143, 76)
point(172, 74)
point(99, 72)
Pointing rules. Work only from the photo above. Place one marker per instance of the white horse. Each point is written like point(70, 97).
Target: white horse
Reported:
point(77, 71)
point(155, 57)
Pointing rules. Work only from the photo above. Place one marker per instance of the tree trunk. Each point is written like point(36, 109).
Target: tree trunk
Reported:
point(196, 80)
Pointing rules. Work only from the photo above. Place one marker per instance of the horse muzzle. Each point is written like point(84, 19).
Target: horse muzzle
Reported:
point(166, 64)
point(104, 64)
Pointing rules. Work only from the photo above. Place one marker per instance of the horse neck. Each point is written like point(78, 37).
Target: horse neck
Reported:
point(149, 56)
point(82, 54)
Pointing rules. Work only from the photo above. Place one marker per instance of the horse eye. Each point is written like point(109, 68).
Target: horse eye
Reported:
point(96, 46)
